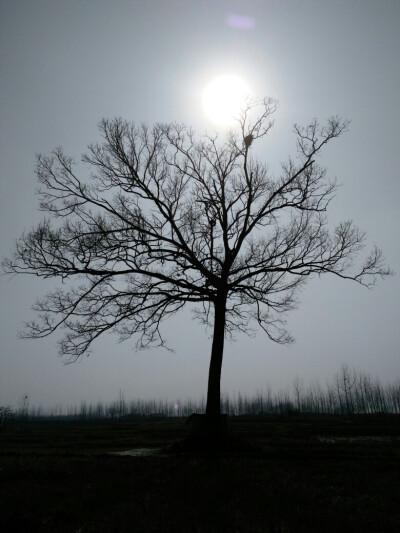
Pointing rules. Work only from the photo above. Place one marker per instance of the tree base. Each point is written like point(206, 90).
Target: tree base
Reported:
point(202, 425)
point(214, 438)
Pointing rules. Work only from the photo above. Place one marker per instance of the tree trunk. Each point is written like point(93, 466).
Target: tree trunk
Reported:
point(214, 377)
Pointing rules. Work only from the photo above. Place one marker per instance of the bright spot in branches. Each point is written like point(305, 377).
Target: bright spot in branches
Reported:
point(224, 98)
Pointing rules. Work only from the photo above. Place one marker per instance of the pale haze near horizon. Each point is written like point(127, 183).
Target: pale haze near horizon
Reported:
point(64, 65)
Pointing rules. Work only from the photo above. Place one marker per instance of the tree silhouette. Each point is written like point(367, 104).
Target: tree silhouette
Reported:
point(168, 219)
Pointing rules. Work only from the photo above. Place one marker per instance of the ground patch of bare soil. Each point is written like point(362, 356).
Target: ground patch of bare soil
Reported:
point(304, 474)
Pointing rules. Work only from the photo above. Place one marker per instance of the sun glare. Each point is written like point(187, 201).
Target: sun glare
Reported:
point(223, 99)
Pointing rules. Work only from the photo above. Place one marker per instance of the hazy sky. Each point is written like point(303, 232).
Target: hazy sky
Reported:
point(65, 64)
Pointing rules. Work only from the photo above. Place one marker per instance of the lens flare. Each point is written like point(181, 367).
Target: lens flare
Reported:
point(242, 22)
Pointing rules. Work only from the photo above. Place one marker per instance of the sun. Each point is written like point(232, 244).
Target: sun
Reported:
point(223, 99)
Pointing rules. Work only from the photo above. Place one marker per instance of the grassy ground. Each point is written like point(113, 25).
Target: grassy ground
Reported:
point(311, 474)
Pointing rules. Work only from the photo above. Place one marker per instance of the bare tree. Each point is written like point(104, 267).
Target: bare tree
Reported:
point(5, 414)
point(298, 387)
point(168, 219)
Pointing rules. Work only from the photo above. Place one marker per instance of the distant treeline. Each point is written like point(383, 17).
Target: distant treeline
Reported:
point(350, 392)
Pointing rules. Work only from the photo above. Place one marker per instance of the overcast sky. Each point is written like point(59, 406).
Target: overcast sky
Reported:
point(65, 64)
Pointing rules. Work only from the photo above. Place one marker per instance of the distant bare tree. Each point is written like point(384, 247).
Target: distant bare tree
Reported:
point(5, 414)
point(168, 219)
point(298, 387)
point(345, 383)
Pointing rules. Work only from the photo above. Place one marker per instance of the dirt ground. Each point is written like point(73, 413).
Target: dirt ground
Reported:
point(322, 474)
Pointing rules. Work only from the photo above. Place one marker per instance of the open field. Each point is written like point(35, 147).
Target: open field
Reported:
point(310, 473)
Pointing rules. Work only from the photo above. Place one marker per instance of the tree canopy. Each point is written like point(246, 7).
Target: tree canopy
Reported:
point(165, 218)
